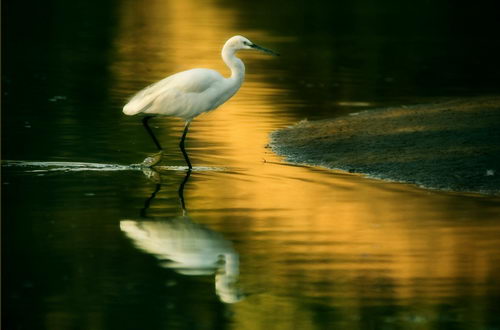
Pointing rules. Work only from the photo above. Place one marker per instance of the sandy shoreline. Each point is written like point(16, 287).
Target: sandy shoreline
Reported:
point(450, 145)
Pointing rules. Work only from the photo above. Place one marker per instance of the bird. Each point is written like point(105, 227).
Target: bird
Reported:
point(190, 93)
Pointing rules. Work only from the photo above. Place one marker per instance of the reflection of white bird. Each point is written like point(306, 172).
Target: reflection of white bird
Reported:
point(190, 249)
point(190, 93)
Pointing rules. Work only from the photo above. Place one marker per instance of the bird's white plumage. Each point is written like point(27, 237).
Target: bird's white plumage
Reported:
point(185, 94)
point(189, 93)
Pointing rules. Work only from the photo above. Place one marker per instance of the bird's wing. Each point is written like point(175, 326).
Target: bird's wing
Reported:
point(194, 81)
point(173, 89)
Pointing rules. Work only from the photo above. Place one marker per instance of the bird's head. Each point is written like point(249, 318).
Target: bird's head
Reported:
point(240, 42)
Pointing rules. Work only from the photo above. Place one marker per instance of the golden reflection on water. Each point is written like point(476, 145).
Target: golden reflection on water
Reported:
point(312, 237)
point(303, 233)
point(149, 50)
point(352, 247)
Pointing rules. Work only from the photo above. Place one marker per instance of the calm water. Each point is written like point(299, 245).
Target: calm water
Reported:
point(244, 242)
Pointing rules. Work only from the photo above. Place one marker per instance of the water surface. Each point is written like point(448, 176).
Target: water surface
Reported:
point(92, 241)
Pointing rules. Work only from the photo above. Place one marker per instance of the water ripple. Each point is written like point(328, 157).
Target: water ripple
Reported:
point(41, 166)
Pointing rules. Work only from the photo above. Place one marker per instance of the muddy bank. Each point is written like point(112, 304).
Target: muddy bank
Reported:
point(450, 145)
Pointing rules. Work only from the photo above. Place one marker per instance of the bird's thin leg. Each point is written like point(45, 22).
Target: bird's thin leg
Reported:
point(181, 191)
point(149, 200)
point(181, 144)
point(150, 132)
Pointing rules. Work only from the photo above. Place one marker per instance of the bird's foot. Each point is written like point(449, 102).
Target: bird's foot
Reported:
point(153, 159)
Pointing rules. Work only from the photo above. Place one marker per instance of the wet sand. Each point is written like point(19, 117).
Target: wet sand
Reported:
point(449, 145)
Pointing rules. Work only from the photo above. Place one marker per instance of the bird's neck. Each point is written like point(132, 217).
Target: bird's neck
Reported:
point(235, 64)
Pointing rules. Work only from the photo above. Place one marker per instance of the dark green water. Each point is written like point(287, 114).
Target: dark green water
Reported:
point(90, 242)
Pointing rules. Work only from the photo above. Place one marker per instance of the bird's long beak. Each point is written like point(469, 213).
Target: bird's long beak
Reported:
point(265, 50)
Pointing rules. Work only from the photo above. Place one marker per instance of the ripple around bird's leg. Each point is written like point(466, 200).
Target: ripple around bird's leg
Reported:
point(51, 166)
point(166, 168)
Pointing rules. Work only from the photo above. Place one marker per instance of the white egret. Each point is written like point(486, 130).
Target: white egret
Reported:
point(189, 93)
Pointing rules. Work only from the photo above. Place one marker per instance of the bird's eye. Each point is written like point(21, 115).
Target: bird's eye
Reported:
point(246, 43)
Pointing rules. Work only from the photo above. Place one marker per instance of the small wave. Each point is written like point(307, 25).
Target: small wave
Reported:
point(36, 166)
point(161, 168)
point(40, 167)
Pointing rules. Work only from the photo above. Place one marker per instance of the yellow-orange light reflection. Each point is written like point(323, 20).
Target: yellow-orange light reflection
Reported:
point(328, 235)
